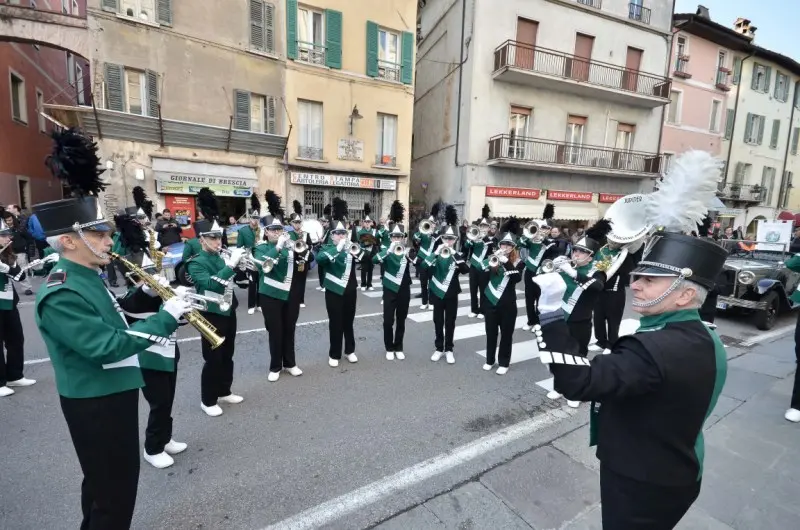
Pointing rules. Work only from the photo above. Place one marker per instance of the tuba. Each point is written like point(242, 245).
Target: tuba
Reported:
point(474, 233)
point(426, 227)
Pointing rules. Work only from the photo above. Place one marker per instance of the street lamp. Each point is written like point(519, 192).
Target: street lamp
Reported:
point(355, 115)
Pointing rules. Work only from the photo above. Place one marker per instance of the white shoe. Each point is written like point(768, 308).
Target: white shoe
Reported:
point(173, 447)
point(233, 399)
point(472, 315)
point(333, 362)
point(213, 411)
point(595, 347)
point(371, 288)
point(381, 302)
point(159, 461)
point(295, 371)
point(251, 311)
point(423, 307)
point(363, 288)
point(351, 357)
point(436, 356)
point(390, 356)
point(502, 370)
point(553, 395)
point(488, 367)
point(792, 415)
point(273, 376)
point(606, 351)
point(480, 316)
point(323, 289)
point(258, 309)
point(400, 355)
point(5, 391)
point(430, 307)
point(318, 288)
point(526, 328)
point(574, 404)
point(21, 382)
point(451, 359)
point(302, 305)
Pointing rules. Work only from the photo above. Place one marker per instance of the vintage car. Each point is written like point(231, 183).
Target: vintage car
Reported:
point(757, 282)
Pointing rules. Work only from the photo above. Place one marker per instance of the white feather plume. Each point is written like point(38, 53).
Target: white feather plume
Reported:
point(682, 199)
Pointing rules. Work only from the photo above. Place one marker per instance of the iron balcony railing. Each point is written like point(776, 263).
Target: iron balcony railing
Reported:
point(310, 153)
point(723, 79)
point(386, 160)
point(388, 70)
point(536, 150)
point(308, 52)
point(741, 192)
point(597, 4)
point(513, 54)
point(639, 13)
point(682, 67)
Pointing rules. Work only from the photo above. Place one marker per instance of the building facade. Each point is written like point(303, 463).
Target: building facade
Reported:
point(554, 101)
point(349, 98)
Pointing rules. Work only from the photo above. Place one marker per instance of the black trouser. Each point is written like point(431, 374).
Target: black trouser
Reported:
point(321, 274)
point(475, 291)
point(302, 278)
point(105, 433)
point(13, 338)
point(424, 278)
point(217, 376)
point(159, 391)
point(581, 331)
point(280, 319)
point(383, 269)
point(503, 318)
point(608, 311)
point(532, 294)
point(252, 289)
point(341, 314)
point(796, 389)
point(366, 270)
point(444, 319)
point(395, 305)
point(629, 504)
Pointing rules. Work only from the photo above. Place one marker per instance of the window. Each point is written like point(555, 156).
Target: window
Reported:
point(795, 139)
point(625, 132)
point(682, 46)
point(767, 183)
point(135, 90)
point(76, 9)
point(673, 109)
point(310, 135)
point(681, 57)
point(130, 90)
point(310, 36)
point(754, 129)
point(761, 75)
point(518, 131)
point(388, 55)
point(722, 59)
point(39, 108)
point(729, 124)
point(65, 5)
point(141, 9)
point(737, 70)
point(742, 173)
point(19, 108)
point(574, 139)
point(386, 154)
point(776, 129)
point(716, 107)
point(781, 87)
point(71, 69)
point(254, 112)
point(79, 85)
point(152, 11)
point(24, 190)
point(262, 26)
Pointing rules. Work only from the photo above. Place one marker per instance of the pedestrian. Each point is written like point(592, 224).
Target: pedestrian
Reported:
point(538, 247)
point(35, 230)
point(168, 229)
point(339, 259)
point(248, 238)
point(396, 284)
point(504, 272)
point(652, 394)
point(479, 249)
point(427, 240)
point(20, 240)
point(302, 260)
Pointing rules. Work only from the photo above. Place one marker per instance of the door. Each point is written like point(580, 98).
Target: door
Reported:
point(526, 40)
point(574, 138)
point(518, 132)
point(583, 54)
point(623, 159)
point(630, 79)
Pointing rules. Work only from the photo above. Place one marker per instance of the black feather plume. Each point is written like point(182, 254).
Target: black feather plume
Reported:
point(339, 209)
point(255, 204)
point(437, 207)
point(451, 215)
point(141, 201)
point(397, 212)
point(511, 225)
point(131, 233)
point(74, 160)
point(274, 204)
point(297, 207)
point(599, 230)
point(367, 209)
point(705, 227)
point(549, 211)
point(327, 210)
point(485, 212)
point(207, 203)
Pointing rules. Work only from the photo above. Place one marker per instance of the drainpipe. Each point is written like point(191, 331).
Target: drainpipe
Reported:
point(460, 76)
point(784, 186)
point(666, 74)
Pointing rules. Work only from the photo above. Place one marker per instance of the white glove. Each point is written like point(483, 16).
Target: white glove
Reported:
point(163, 282)
point(569, 269)
point(181, 291)
point(634, 246)
point(177, 307)
point(341, 246)
point(503, 259)
point(282, 241)
point(235, 257)
point(157, 244)
point(51, 258)
point(438, 250)
point(4, 268)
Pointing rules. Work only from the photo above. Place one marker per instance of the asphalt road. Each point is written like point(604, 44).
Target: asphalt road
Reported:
point(299, 442)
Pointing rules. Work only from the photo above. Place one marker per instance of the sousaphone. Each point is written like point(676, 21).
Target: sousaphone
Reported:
point(628, 219)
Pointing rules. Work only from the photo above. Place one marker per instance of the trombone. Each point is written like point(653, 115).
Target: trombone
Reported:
point(550, 265)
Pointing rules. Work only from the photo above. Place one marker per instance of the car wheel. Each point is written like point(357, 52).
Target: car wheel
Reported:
point(766, 318)
point(183, 276)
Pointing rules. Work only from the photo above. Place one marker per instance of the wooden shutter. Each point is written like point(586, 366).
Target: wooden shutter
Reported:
point(407, 74)
point(111, 5)
point(748, 127)
point(164, 9)
point(152, 93)
point(291, 29)
point(333, 39)
point(776, 128)
point(257, 24)
point(761, 121)
point(754, 80)
point(729, 124)
point(768, 75)
point(271, 115)
point(269, 27)
point(115, 87)
point(795, 139)
point(372, 49)
point(737, 70)
point(520, 110)
point(241, 106)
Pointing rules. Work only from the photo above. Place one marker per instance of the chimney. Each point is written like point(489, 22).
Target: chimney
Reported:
point(702, 12)
point(744, 27)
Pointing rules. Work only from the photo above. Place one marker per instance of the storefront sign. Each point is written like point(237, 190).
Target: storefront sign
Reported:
point(579, 196)
point(513, 193)
point(183, 210)
point(223, 190)
point(351, 149)
point(609, 197)
point(343, 181)
point(729, 212)
point(202, 180)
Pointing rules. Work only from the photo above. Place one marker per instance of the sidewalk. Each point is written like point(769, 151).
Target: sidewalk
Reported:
point(751, 480)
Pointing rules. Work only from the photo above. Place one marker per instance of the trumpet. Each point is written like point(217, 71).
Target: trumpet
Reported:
point(251, 263)
point(550, 265)
point(426, 227)
point(533, 231)
point(299, 246)
point(474, 233)
point(200, 301)
point(494, 259)
point(399, 250)
point(446, 252)
point(354, 249)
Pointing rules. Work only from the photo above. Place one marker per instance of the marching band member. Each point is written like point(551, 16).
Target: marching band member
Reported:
point(325, 240)
point(443, 266)
point(396, 285)
point(281, 306)
point(427, 244)
point(12, 334)
point(303, 260)
point(94, 352)
point(500, 308)
point(210, 272)
point(479, 250)
point(367, 237)
point(658, 386)
point(340, 285)
point(207, 213)
point(248, 238)
point(793, 413)
point(385, 239)
point(538, 249)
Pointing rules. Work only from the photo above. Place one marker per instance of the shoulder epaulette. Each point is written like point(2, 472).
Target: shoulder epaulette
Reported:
point(56, 278)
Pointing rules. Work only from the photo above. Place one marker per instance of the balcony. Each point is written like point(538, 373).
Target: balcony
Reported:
point(388, 71)
point(308, 52)
point(741, 192)
point(597, 4)
point(525, 64)
point(639, 13)
point(309, 153)
point(521, 152)
point(723, 81)
point(682, 67)
point(386, 160)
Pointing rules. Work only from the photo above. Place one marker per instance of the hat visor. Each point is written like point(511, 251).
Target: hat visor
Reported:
point(342, 231)
point(100, 227)
point(582, 249)
point(648, 270)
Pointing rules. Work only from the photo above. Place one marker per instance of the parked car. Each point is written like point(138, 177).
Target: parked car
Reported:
point(759, 283)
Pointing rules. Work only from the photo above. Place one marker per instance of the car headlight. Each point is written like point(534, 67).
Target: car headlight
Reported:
point(746, 277)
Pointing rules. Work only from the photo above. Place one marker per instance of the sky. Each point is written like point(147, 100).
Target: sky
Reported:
point(777, 20)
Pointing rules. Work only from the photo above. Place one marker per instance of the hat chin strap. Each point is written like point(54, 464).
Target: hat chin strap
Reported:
point(101, 255)
point(650, 303)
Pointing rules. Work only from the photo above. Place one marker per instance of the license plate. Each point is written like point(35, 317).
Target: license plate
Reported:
point(722, 305)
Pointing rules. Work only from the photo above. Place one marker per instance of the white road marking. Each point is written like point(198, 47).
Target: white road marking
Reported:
point(469, 331)
point(547, 384)
point(763, 337)
point(520, 351)
point(378, 292)
point(416, 302)
point(339, 507)
point(463, 310)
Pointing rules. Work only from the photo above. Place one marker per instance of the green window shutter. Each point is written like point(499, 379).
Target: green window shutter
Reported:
point(115, 87)
point(754, 80)
point(760, 121)
point(795, 139)
point(164, 8)
point(241, 105)
point(257, 24)
point(748, 127)
point(272, 121)
point(152, 93)
point(291, 29)
point(737, 70)
point(776, 129)
point(372, 49)
point(407, 74)
point(111, 5)
point(768, 75)
point(729, 124)
point(269, 27)
point(333, 39)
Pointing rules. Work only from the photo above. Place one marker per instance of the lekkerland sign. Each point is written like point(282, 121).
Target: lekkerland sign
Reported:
point(578, 196)
point(513, 193)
